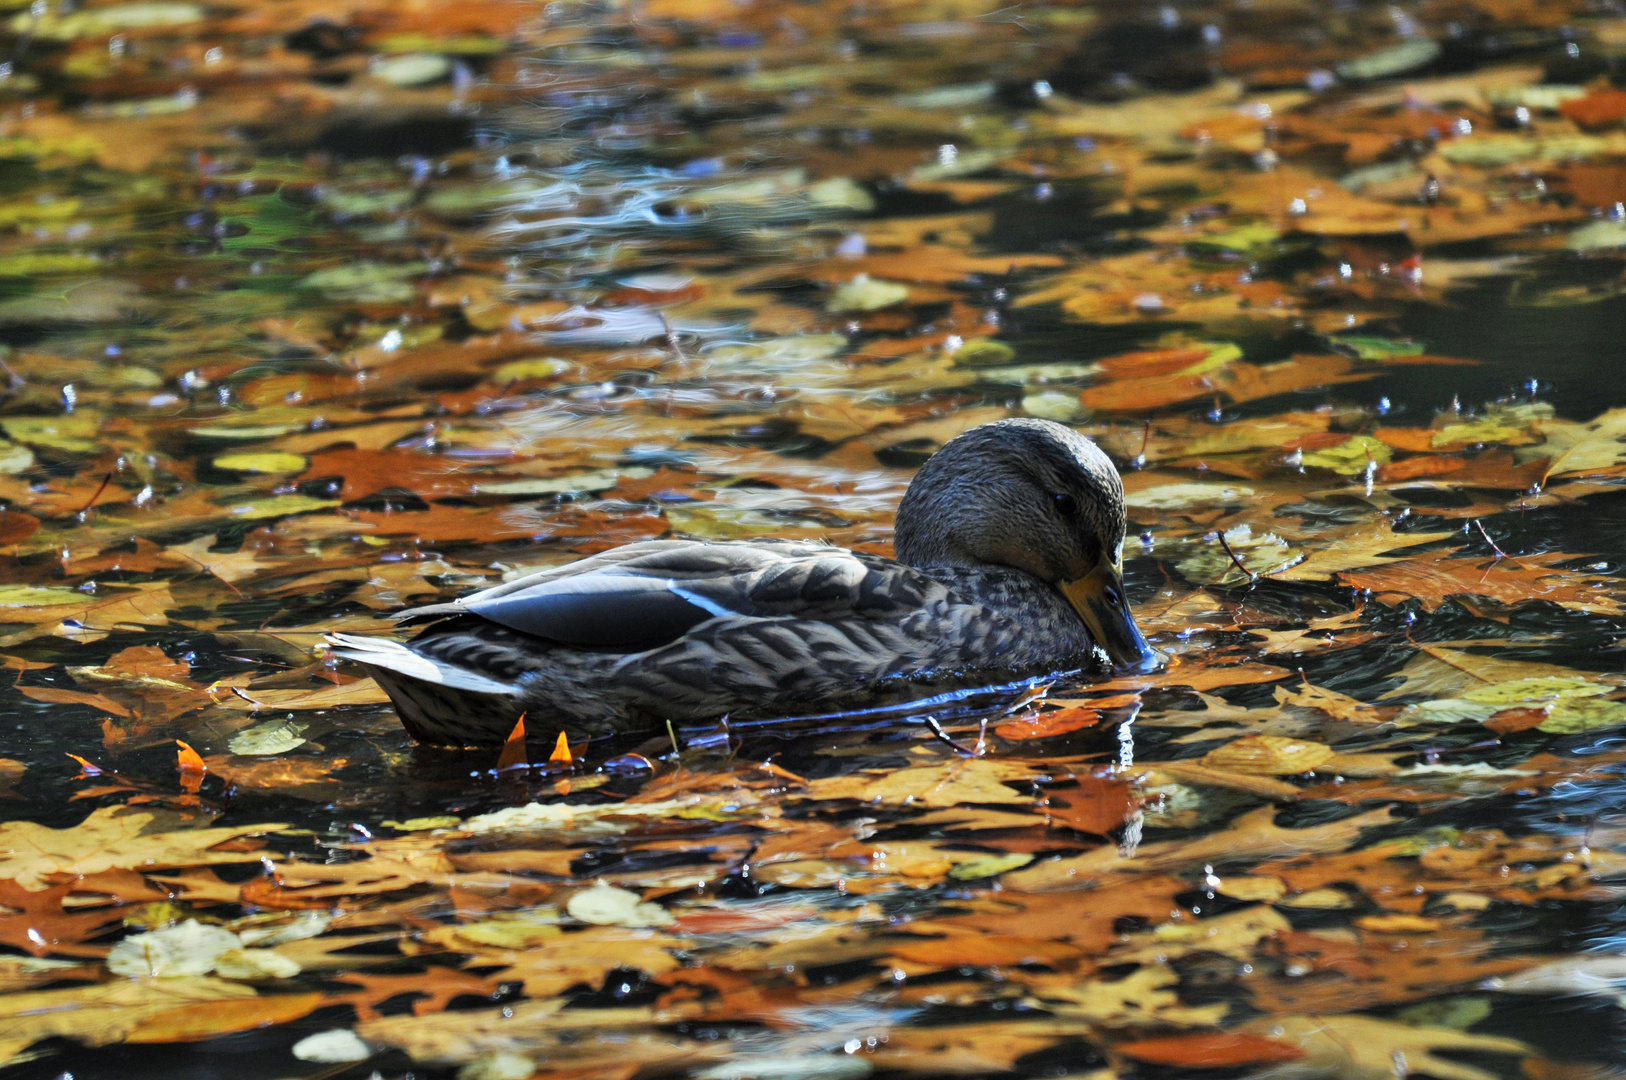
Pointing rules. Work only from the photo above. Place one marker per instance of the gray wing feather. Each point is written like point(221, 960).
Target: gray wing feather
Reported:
point(646, 595)
point(612, 608)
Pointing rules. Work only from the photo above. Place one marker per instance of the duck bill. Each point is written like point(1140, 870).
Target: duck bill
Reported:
point(1111, 624)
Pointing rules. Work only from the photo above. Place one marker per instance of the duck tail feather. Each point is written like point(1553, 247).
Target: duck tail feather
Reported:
point(394, 657)
point(429, 611)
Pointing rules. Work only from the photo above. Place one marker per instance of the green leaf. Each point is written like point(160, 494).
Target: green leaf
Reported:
point(1576, 715)
point(1377, 348)
point(270, 220)
point(38, 596)
point(368, 282)
point(75, 432)
point(989, 866)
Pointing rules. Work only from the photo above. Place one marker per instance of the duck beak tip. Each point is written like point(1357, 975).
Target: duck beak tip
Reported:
point(1098, 599)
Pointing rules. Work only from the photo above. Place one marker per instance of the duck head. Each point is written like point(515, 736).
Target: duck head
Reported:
point(1037, 496)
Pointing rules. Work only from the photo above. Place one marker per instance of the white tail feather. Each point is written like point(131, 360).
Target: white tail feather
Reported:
point(393, 656)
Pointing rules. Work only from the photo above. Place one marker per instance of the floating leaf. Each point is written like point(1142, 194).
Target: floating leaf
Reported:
point(864, 293)
point(338, 1046)
point(606, 905)
point(1268, 755)
point(209, 1019)
point(1396, 59)
point(271, 737)
point(1355, 455)
point(75, 432)
point(412, 69)
point(1210, 1050)
point(261, 463)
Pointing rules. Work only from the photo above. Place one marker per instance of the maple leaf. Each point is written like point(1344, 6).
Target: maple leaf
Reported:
point(112, 837)
point(978, 780)
point(1592, 448)
point(209, 1019)
point(1436, 576)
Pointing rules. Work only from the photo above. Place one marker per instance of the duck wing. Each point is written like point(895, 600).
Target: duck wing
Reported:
point(643, 596)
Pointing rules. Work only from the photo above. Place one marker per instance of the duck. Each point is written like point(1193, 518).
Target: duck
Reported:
point(1009, 565)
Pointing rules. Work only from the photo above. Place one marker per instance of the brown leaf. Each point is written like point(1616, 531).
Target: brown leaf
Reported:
point(1599, 109)
point(1254, 833)
point(985, 950)
point(42, 927)
point(16, 526)
point(1097, 805)
point(208, 1019)
point(74, 697)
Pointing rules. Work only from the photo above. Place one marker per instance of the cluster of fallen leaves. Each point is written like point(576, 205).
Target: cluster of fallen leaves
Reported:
point(938, 882)
point(315, 314)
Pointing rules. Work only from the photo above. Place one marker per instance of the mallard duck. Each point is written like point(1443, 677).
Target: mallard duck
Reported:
point(1009, 549)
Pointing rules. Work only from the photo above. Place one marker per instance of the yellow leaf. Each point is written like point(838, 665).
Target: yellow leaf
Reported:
point(979, 780)
point(112, 837)
point(1268, 755)
point(261, 463)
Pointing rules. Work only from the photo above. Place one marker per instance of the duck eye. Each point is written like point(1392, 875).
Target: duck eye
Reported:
point(1112, 597)
point(1066, 505)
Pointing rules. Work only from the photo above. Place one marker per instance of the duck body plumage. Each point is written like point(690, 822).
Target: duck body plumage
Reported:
point(1010, 551)
point(691, 630)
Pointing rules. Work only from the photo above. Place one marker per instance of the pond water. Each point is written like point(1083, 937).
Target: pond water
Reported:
point(313, 313)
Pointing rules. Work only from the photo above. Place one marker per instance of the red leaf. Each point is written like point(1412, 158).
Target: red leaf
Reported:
point(1210, 1050)
point(1510, 720)
point(1047, 724)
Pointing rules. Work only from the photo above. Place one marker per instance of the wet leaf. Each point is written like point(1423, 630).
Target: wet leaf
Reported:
point(1359, 1046)
point(1210, 1050)
point(206, 1020)
point(1268, 755)
point(864, 293)
point(333, 1047)
point(606, 905)
point(261, 463)
point(956, 783)
point(112, 837)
